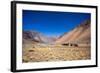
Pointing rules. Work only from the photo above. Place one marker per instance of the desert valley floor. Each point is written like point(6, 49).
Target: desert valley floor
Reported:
point(38, 53)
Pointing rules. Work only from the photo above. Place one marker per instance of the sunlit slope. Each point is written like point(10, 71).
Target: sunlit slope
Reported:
point(79, 34)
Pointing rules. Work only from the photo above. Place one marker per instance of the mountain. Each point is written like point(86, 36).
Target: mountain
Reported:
point(81, 33)
point(36, 37)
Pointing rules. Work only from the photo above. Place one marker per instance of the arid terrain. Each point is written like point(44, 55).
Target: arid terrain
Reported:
point(55, 53)
point(73, 45)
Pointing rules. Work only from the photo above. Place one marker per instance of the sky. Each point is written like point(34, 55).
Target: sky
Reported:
point(52, 23)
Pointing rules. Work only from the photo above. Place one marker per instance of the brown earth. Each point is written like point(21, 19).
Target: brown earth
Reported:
point(55, 53)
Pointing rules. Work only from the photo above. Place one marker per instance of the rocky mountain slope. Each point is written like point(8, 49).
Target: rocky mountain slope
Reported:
point(36, 37)
point(79, 34)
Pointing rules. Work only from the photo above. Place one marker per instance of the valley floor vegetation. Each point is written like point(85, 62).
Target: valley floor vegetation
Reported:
point(57, 52)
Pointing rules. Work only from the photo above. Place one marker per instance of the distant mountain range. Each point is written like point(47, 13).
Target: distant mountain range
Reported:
point(81, 33)
point(37, 37)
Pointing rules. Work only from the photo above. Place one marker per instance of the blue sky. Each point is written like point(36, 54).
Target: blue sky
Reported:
point(52, 23)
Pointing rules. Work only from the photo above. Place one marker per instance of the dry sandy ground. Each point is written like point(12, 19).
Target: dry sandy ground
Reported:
point(55, 53)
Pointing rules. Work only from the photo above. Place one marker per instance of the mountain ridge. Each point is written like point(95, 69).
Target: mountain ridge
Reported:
point(79, 33)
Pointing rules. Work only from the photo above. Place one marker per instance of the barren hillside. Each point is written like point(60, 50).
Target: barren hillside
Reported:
point(79, 34)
